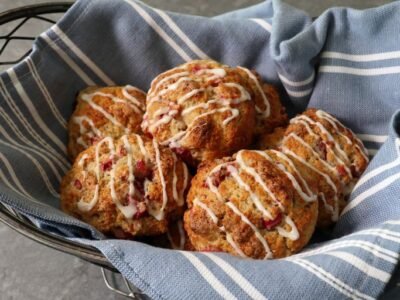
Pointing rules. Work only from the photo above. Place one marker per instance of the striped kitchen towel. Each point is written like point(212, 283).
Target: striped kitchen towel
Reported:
point(346, 62)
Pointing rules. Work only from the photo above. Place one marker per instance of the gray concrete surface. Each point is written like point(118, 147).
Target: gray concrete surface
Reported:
point(31, 271)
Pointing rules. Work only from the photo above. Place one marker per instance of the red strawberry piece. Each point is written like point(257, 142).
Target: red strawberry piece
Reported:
point(141, 169)
point(106, 166)
point(211, 249)
point(78, 184)
point(220, 176)
point(141, 210)
point(271, 224)
point(148, 134)
point(197, 68)
point(123, 151)
point(341, 170)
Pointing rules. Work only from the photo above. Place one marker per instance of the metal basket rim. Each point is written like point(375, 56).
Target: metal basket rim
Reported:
point(34, 9)
point(23, 225)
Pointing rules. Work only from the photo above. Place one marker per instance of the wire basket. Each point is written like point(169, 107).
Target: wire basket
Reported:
point(14, 21)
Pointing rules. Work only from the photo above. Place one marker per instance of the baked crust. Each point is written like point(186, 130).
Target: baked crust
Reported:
point(270, 140)
point(205, 110)
point(337, 156)
point(244, 205)
point(128, 187)
point(104, 111)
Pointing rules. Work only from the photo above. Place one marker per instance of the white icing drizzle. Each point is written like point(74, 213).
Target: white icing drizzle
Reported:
point(293, 233)
point(189, 95)
point(174, 86)
point(197, 106)
point(169, 115)
point(323, 115)
point(343, 158)
point(315, 154)
point(141, 146)
point(253, 196)
point(130, 210)
point(259, 180)
point(267, 111)
point(307, 127)
point(131, 177)
point(244, 95)
point(211, 185)
point(268, 253)
point(328, 208)
point(217, 73)
point(182, 238)
point(83, 130)
point(89, 99)
point(173, 141)
point(223, 105)
point(210, 213)
point(334, 209)
point(323, 129)
point(87, 206)
point(159, 215)
point(128, 96)
point(81, 162)
point(230, 240)
point(214, 218)
point(308, 195)
point(134, 105)
point(154, 88)
point(234, 111)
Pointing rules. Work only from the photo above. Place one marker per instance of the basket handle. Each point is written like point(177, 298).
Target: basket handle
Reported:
point(132, 293)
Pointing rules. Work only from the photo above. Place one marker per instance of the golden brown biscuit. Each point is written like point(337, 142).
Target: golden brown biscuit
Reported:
point(127, 187)
point(327, 150)
point(277, 116)
point(201, 109)
point(270, 113)
point(104, 111)
point(271, 140)
point(205, 110)
point(255, 205)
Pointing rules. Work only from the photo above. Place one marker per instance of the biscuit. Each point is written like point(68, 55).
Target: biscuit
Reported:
point(104, 111)
point(205, 110)
point(127, 187)
point(329, 151)
point(271, 140)
point(254, 204)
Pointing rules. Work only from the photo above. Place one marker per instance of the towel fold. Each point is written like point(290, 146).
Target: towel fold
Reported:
point(346, 62)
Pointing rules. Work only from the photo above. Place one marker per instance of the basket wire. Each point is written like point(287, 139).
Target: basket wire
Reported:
point(10, 217)
point(24, 225)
